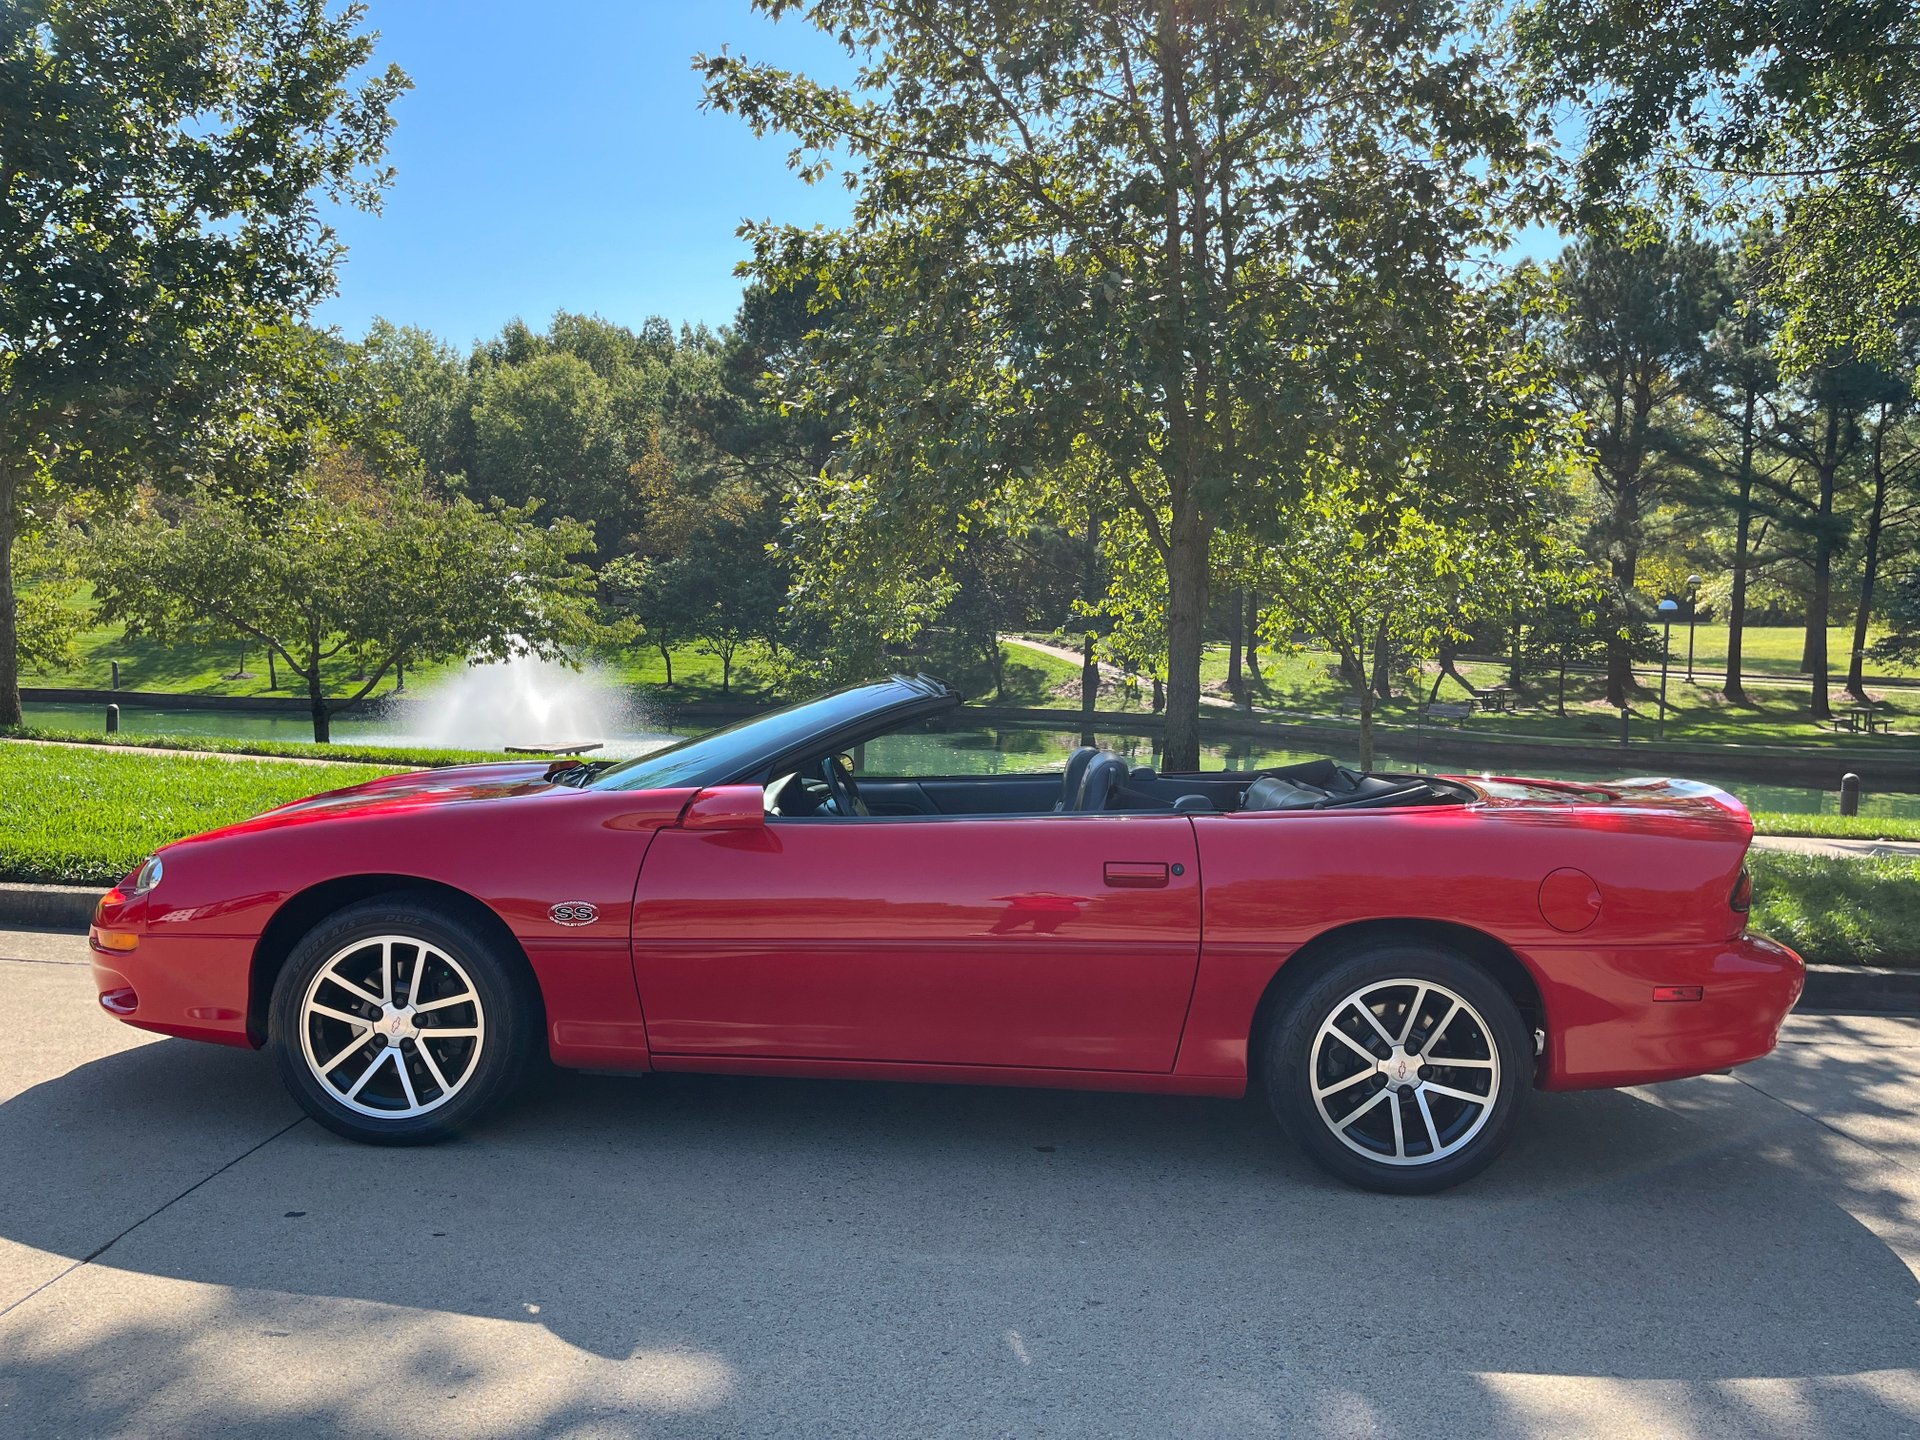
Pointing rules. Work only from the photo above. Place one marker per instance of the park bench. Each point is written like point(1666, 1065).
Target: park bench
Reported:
point(1452, 713)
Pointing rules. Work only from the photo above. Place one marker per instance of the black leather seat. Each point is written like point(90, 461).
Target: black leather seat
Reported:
point(1071, 777)
point(1106, 773)
point(1270, 792)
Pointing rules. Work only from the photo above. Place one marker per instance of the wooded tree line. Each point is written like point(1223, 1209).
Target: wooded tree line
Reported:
point(1156, 324)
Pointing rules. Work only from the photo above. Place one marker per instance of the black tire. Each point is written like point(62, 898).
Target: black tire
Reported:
point(1321, 1089)
point(439, 951)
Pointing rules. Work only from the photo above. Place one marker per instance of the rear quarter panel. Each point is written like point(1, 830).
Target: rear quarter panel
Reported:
point(1273, 883)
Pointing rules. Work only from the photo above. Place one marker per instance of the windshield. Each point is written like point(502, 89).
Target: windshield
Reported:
point(733, 752)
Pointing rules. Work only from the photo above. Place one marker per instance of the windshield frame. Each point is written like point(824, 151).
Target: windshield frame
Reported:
point(748, 750)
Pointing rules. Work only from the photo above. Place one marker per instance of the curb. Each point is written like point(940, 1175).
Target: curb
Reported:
point(49, 907)
point(1861, 990)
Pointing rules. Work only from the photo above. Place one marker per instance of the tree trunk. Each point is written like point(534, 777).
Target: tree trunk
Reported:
point(1513, 661)
point(1236, 634)
point(1735, 688)
point(273, 671)
point(667, 656)
point(1089, 687)
point(1870, 565)
point(1159, 694)
point(9, 634)
point(1620, 646)
point(1364, 691)
point(1253, 637)
point(1820, 601)
point(317, 702)
point(1187, 566)
point(1563, 683)
point(1382, 672)
point(1450, 665)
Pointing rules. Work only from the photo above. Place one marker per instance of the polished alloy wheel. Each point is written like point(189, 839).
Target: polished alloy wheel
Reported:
point(391, 1026)
point(1405, 1072)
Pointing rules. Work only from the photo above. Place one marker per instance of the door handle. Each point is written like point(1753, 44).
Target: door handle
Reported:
point(1136, 874)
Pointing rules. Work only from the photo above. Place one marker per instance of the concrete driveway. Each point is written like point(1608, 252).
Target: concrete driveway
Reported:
point(684, 1256)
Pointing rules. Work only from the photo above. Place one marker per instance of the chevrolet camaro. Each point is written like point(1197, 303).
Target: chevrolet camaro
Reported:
point(1395, 959)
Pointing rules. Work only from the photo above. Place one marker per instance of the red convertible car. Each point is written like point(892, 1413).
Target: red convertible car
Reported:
point(1397, 958)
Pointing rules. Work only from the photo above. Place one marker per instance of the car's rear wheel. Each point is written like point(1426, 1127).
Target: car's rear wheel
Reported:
point(1401, 1069)
point(396, 1022)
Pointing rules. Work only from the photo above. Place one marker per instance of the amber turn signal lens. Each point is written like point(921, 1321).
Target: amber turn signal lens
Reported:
point(114, 941)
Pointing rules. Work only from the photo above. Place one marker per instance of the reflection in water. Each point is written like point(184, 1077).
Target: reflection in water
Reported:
point(968, 750)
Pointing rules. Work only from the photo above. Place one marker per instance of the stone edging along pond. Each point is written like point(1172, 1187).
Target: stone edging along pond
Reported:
point(1850, 989)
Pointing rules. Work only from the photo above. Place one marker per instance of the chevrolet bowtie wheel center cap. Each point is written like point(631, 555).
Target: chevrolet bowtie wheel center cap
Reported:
point(1402, 1069)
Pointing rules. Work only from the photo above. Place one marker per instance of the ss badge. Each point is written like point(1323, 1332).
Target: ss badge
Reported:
point(573, 912)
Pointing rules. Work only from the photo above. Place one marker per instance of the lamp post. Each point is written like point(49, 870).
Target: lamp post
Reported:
point(1668, 609)
point(1693, 609)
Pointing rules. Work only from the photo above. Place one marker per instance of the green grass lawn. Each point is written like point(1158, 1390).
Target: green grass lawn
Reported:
point(1839, 911)
point(87, 816)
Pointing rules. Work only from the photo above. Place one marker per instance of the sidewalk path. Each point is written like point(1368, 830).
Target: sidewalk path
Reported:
point(1846, 849)
point(197, 754)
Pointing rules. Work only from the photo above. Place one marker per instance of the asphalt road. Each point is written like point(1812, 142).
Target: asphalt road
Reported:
point(686, 1256)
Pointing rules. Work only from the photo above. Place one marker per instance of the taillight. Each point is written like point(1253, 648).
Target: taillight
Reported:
point(1742, 892)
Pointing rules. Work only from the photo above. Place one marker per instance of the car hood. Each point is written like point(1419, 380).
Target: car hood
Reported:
point(417, 790)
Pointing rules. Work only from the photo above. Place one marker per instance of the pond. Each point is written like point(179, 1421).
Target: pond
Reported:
point(983, 749)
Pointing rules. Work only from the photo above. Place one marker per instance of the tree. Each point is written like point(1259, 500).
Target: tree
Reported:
point(1821, 434)
point(318, 575)
point(1205, 235)
point(1893, 463)
point(159, 165)
point(1365, 590)
point(1628, 344)
point(546, 433)
point(420, 390)
point(1738, 387)
point(1804, 110)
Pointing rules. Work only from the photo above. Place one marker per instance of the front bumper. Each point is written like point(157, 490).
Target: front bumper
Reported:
point(1605, 1028)
point(191, 986)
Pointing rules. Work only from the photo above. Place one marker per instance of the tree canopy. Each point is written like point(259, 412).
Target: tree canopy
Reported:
point(159, 168)
point(1210, 239)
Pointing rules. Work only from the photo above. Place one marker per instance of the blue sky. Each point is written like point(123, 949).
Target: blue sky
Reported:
point(555, 157)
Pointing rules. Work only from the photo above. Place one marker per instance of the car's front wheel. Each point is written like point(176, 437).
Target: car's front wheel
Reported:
point(396, 1022)
point(1402, 1068)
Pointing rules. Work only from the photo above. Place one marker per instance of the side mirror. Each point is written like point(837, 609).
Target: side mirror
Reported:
point(726, 807)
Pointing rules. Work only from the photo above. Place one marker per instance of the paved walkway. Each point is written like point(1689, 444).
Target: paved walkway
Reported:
point(182, 1254)
point(1850, 849)
point(195, 754)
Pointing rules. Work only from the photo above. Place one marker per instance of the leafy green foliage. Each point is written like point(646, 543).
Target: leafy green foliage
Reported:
point(1755, 106)
point(1203, 241)
point(159, 166)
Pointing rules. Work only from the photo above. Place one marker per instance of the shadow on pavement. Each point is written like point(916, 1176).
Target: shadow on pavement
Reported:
point(940, 1259)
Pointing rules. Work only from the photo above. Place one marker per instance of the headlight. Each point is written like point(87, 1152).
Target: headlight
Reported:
point(148, 875)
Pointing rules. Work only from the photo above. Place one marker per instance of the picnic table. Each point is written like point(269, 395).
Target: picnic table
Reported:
point(1497, 697)
point(1856, 719)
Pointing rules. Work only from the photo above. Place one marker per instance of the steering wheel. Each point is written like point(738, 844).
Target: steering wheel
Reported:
point(846, 795)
